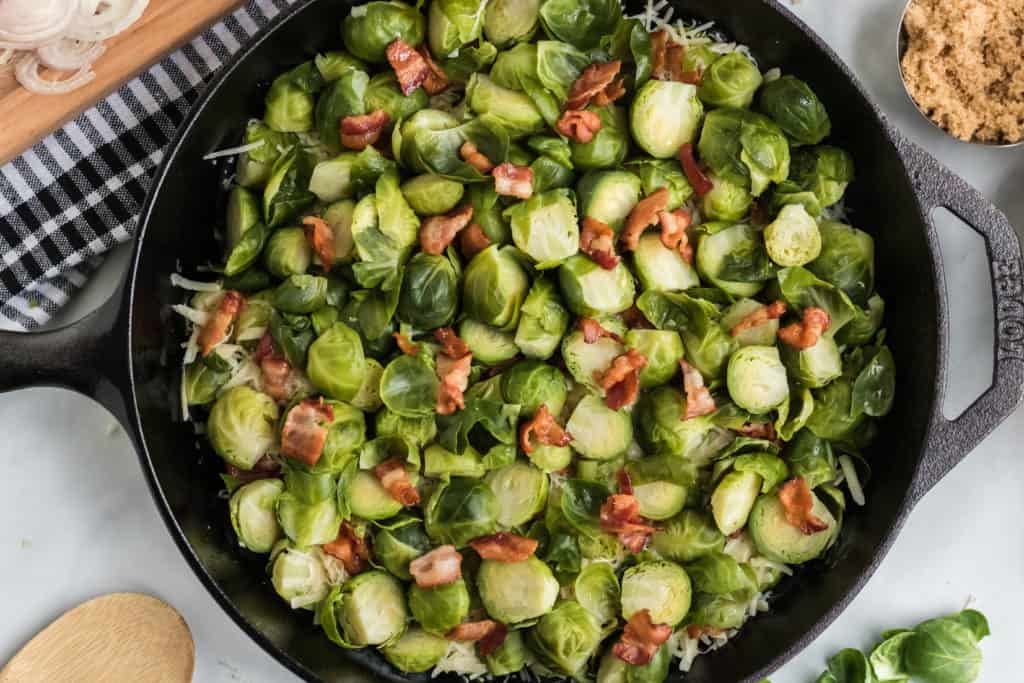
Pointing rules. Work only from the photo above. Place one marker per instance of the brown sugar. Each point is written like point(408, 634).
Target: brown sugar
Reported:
point(964, 66)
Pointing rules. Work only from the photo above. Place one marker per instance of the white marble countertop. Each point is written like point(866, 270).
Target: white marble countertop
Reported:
point(78, 519)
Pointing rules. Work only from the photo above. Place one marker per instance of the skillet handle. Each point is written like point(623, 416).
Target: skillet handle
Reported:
point(949, 441)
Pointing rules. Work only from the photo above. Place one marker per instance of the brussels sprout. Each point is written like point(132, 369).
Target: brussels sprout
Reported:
point(289, 102)
point(580, 22)
point(416, 651)
point(708, 346)
point(430, 292)
point(587, 361)
point(814, 367)
point(664, 116)
point(489, 345)
point(441, 463)
point(757, 379)
point(511, 21)
point(494, 287)
point(661, 587)
point(384, 229)
point(531, 384)
point(599, 433)
point(597, 590)
point(333, 65)
point(426, 120)
point(847, 260)
point(565, 638)
point(396, 547)
point(287, 253)
point(514, 110)
point(243, 213)
point(362, 494)
point(660, 268)
point(745, 148)
point(471, 59)
point(543, 322)
point(249, 280)
point(460, 510)
point(254, 166)
point(801, 289)
point(308, 523)
point(384, 92)
point(293, 334)
point(824, 171)
point(369, 29)
point(241, 426)
point(780, 541)
point(793, 105)
point(655, 174)
point(660, 429)
point(811, 457)
point(439, 609)
point(730, 81)
point(368, 609)
point(488, 213)
point(551, 458)
point(454, 23)
point(591, 291)
point(521, 491)
point(793, 238)
point(762, 334)
point(431, 195)
point(301, 294)
point(252, 514)
point(368, 399)
point(510, 657)
point(513, 592)
point(719, 611)
point(771, 468)
point(343, 98)
point(610, 145)
point(875, 385)
point(687, 536)
point(580, 504)
point(287, 192)
point(614, 670)
point(727, 201)
point(545, 227)
point(608, 196)
point(721, 574)
point(736, 251)
point(336, 365)
point(733, 499)
point(663, 350)
point(204, 378)
point(299, 577)
point(332, 179)
point(419, 430)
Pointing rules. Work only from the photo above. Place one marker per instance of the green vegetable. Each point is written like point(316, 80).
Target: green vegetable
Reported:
point(439, 609)
point(514, 592)
point(368, 609)
point(545, 227)
point(368, 31)
point(793, 105)
point(664, 116)
point(241, 426)
point(730, 81)
point(661, 587)
point(336, 363)
point(416, 651)
point(460, 510)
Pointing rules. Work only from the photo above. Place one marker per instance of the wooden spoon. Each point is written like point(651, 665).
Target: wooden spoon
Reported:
point(117, 637)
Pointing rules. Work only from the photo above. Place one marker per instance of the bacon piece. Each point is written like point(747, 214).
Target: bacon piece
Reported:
point(620, 515)
point(452, 345)
point(359, 132)
point(592, 331)
point(454, 376)
point(798, 503)
point(698, 399)
point(504, 547)
point(305, 431)
point(597, 240)
point(437, 232)
point(579, 125)
point(544, 427)
point(393, 476)
point(697, 630)
point(698, 180)
point(475, 158)
point(409, 65)
point(215, 330)
point(673, 232)
point(265, 468)
point(644, 215)
point(488, 633)
point(805, 334)
point(493, 640)
point(350, 548)
point(436, 81)
point(513, 181)
point(759, 430)
point(625, 482)
point(621, 382)
point(473, 240)
point(276, 378)
point(641, 639)
point(667, 60)
point(439, 567)
point(597, 80)
point(404, 345)
point(321, 238)
point(635, 319)
point(264, 349)
point(659, 46)
point(772, 311)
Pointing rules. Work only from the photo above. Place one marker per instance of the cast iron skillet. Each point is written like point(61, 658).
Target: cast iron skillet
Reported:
point(126, 354)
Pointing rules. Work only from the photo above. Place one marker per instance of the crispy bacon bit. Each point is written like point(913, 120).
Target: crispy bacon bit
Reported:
point(698, 399)
point(493, 640)
point(597, 240)
point(276, 378)
point(264, 349)
point(644, 215)
point(667, 60)
point(488, 633)
point(394, 477)
point(695, 631)
point(698, 179)
point(592, 331)
point(673, 232)
point(759, 430)
point(597, 83)
point(473, 240)
point(265, 468)
point(437, 81)
point(321, 238)
point(621, 382)
point(409, 65)
point(641, 639)
point(620, 515)
point(359, 132)
point(546, 430)
point(404, 345)
point(659, 46)
point(635, 319)
point(437, 232)
point(772, 311)
point(439, 567)
point(305, 431)
point(798, 503)
point(504, 547)
point(453, 374)
point(579, 125)
point(453, 346)
point(350, 548)
point(216, 327)
point(475, 158)
point(805, 334)
point(513, 181)
point(625, 482)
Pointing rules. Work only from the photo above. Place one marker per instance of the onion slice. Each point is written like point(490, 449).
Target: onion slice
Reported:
point(26, 70)
point(102, 19)
point(70, 55)
point(28, 24)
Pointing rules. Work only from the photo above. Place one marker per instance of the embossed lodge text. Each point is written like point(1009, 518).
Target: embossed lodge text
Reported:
point(1009, 309)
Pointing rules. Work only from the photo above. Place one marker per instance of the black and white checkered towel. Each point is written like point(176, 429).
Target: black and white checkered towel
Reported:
point(77, 193)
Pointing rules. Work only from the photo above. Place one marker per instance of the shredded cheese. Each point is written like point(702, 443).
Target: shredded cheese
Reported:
point(461, 658)
point(195, 285)
point(193, 315)
point(233, 151)
point(852, 480)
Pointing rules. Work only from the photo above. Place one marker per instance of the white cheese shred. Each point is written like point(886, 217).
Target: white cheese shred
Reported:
point(852, 480)
point(461, 658)
point(234, 151)
point(194, 285)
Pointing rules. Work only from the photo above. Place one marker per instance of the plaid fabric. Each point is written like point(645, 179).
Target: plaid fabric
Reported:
point(77, 193)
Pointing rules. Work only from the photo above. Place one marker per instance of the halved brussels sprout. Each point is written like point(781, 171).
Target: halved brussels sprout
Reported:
point(332, 178)
point(614, 670)
point(424, 120)
point(792, 104)
point(384, 92)
point(460, 510)
point(510, 657)
point(823, 171)
point(252, 514)
point(243, 213)
point(521, 491)
point(660, 268)
point(730, 81)
point(727, 201)
point(660, 429)
point(531, 384)
point(599, 433)
point(745, 148)
point(661, 587)
point(439, 609)
point(336, 364)
point(408, 386)
point(307, 523)
point(719, 611)
point(368, 609)
point(511, 21)
point(430, 292)
point(439, 462)
point(301, 294)
point(204, 379)
point(416, 651)
point(298, 576)
point(658, 173)
point(335, 64)
point(736, 251)
point(733, 499)
point(368, 29)
point(365, 497)
point(241, 426)
point(780, 541)
point(368, 399)
point(489, 345)
point(608, 196)
point(287, 193)
point(289, 101)
point(757, 379)
point(664, 116)
point(814, 367)
point(343, 98)
point(865, 324)
point(396, 547)
point(419, 430)
point(847, 260)
point(513, 592)
point(833, 417)
point(543, 322)
point(551, 458)
point(565, 639)
point(687, 536)
point(432, 195)
point(762, 334)
point(597, 590)
point(287, 253)
point(454, 23)
point(514, 110)
point(545, 227)
point(254, 167)
point(663, 350)
point(585, 361)
point(590, 290)
point(793, 238)
point(493, 288)
point(609, 147)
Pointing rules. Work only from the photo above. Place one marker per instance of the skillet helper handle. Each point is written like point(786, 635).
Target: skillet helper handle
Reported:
point(950, 441)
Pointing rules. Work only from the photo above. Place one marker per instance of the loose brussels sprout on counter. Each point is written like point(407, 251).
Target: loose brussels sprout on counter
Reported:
point(492, 367)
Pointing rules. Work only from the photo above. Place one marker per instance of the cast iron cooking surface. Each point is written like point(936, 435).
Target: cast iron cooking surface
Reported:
point(187, 204)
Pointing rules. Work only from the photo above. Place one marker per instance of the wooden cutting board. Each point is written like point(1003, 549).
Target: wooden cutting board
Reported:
point(165, 25)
